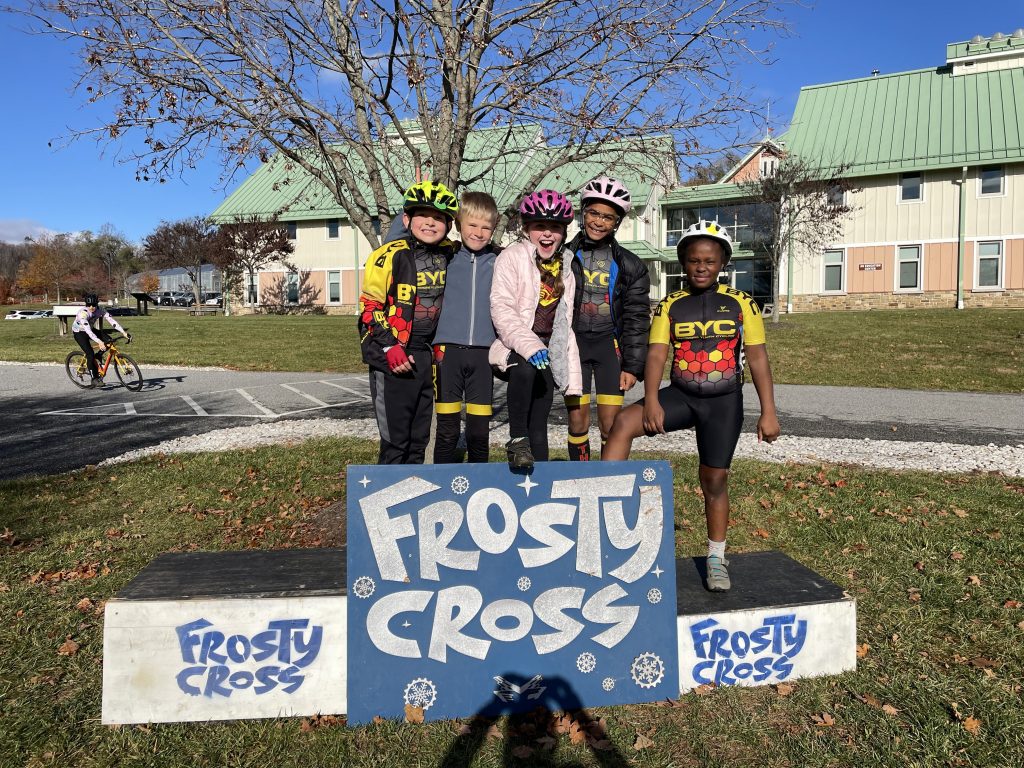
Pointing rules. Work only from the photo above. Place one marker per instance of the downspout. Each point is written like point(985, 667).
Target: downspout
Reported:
point(789, 279)
point(960, 243)
point(355, 259)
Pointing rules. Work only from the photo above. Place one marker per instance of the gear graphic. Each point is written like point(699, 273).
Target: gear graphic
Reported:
point(650, 475)
point(586, 662)
point(654, 596)
point(420, 693)
point(608, 683)
point(524, 583)
point(647, 670)
point(460, 485)
point(363, 587)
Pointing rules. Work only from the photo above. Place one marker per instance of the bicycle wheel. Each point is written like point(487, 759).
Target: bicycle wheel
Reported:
point(77, 367)
point(128, 372)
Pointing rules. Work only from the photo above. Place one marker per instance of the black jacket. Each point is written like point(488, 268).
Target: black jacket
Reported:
point(629, 286)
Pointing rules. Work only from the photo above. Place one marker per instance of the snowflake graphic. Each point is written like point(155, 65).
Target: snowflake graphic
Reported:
point(608, 683)
point(363, 587)
point(647, 670)
point(420, 693)
point(650, 474)
point(654, 596)
point(460, 485)
point(524, 583)
point(586, 662)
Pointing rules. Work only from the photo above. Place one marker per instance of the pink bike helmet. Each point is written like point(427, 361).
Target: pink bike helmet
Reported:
point(605, 189)
point(545, 205)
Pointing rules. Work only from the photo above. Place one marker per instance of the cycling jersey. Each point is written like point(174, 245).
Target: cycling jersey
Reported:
point(707, 332)
point(85, 319)
point(594, 311)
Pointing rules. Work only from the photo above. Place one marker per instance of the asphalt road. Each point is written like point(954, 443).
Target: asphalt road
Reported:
point(50, 426)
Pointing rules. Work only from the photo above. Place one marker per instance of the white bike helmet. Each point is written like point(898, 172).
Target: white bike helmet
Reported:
point(710, 229)
point(605, 189)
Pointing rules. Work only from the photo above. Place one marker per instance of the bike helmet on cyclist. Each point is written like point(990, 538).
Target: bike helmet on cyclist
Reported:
point(92, 300)
point(433, 196)
point(545, 205)
point(605, 189)
point(710, 229)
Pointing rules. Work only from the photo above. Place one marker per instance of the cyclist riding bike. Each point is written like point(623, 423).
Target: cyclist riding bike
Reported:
point(88, 323)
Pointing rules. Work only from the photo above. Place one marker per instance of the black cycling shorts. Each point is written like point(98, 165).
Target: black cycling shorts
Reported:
point(717, 420)
point(462, 374)
point(600, 363)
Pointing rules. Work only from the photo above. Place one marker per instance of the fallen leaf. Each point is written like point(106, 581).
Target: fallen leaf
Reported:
point(824, 720)
point(1011, 604)
point(972, 725)
point(960, 512)
point(974, 581)
point(547, 743)
point(703, 690)
point(862, 650)
point(413, 714)
point(68, 648)
point(980, 662)
point(783, 689)
point(84, 605)
point(642, 742)
point(889, 709)
point(761, 533)
point(576, 734)
point(919, 566)
point(522, 752)
point(494, 732)
point(956, 556)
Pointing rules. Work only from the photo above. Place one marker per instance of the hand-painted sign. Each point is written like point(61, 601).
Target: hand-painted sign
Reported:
point(473, 589)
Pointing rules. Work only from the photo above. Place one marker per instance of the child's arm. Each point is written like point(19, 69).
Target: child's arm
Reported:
point(654, 368)
point(768, 428)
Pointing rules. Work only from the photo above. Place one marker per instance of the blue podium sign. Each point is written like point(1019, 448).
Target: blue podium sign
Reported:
point(473, 589)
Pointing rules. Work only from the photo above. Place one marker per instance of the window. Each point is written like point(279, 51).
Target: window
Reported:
point(252, 285)
point(990, 265)
point(908, 268)
point(911, 187)
point(332, 229)
point(334, 287)
point(769, 164)
point(293, 230)
point(292, 286)
point(990, 180)
point(834, 271)
point(835, 195)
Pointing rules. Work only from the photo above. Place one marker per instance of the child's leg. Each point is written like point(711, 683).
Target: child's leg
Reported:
point(577, 408)
point(394, 398)
point(714, 482)
point(607, 376)
point(540, 409)
point(519, 394)
point(479, 390)
point(628, 426)
point(447, 403)
point(419, 422)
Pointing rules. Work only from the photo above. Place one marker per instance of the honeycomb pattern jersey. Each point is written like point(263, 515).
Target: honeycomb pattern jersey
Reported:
point(707, 332)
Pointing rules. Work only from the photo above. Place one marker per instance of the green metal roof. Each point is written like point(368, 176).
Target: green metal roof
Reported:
point(705, 193)
point(984, 47)
point(918, 120)
point(645, 250)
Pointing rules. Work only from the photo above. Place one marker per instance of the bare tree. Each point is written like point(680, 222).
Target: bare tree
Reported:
point(115, 253)
point(188, 244)
point(363, 96)
point(712, 171)
point(250, 243)
point(801, 205)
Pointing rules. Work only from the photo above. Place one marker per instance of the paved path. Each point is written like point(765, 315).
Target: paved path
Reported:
point(49, 426)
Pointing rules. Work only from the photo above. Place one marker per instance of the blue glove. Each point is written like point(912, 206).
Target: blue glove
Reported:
point(540, 360)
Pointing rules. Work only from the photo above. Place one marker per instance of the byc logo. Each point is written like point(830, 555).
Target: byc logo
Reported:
point(710, 328)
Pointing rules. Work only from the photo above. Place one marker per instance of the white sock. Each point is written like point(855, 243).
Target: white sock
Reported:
point(716, 549)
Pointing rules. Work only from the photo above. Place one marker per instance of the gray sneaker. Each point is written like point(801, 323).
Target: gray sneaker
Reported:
point(519, 454)
point(718, 575)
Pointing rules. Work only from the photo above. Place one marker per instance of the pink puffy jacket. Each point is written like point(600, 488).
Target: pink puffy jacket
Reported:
point(515, 291)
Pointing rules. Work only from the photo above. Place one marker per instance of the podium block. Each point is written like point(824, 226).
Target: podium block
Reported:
point(250, 634)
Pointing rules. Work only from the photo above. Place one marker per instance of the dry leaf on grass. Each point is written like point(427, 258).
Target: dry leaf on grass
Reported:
point(68, 648)
point(1012, 604)
point(956, 556)
point(576, 734)
point(824, 720)
point(974, 581)
point(761, 533)
point(547, 743)
point(889, 709)
point(642, 742)
point(972, 725)
point(703, 690)
point(862, 650)
point(84, 605)
point(413, 714)
point(783, 689)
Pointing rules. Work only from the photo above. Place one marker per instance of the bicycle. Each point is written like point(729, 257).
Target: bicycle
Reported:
point(127, 370)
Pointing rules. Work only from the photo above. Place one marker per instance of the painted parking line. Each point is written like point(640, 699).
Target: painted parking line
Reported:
point(256, 403)
point(363, 395)
point(200, 411)
point(309, 397)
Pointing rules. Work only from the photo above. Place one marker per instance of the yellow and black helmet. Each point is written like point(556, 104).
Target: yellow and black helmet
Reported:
point(433, 195)
point(709, 229)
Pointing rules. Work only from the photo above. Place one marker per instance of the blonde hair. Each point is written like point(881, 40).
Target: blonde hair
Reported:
point(478, 204)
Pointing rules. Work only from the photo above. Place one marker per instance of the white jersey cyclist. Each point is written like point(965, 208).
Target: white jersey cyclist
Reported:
point(88, 316)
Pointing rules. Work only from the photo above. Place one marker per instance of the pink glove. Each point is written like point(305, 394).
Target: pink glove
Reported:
point(396, 356)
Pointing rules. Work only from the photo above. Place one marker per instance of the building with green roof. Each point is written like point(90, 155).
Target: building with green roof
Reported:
point(936, 159)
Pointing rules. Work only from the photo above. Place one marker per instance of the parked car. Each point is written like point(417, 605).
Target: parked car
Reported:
point(185, 300)
point(28, 314)
point(213, 299)
point(170, 298)
point(119, 311)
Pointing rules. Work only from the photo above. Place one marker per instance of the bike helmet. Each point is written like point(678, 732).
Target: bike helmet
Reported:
point(92, 300)
point(710, 229)
point(605, 189)
point(433, 195)
point(545, 205)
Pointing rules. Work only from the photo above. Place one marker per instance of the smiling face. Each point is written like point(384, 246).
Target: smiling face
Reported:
point(702, 261)
point(476, 231)
point(546, 237)
point(600, 221)
point(427, 225)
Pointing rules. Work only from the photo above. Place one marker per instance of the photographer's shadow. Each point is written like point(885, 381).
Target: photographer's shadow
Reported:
point(545, 711)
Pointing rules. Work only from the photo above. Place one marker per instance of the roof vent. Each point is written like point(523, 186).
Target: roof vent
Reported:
point(977, 39)
point(998, 36)
point(874, 73)
point(1018, 33)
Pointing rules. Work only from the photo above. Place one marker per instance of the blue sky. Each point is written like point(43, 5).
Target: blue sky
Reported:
point(83, 187)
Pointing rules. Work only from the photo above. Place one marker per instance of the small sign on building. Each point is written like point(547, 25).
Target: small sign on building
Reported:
point(869, 267)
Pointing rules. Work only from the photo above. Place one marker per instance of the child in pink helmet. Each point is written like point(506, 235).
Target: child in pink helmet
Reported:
point(531, 308)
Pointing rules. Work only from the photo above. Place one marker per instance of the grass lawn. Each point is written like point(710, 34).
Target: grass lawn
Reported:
point(977, 350)
point(935, 562)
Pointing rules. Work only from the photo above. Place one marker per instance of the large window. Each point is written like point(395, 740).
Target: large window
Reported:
point(334, 287)
point(332, 229)
point(749, 224)
point(990, 265)
point(990, 180)
point(908, 268)
point(911, 187)
point(292, 287)
point(834, 271)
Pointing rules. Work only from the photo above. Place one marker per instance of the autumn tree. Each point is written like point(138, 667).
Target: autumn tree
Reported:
point(357, 98)
point(12, 257)
point(187, 244)
point(54, 265)
point(800, 207)
point(117, 256)
point(249, 244)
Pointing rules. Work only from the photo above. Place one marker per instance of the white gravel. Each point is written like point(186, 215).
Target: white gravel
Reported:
point(883, 454)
